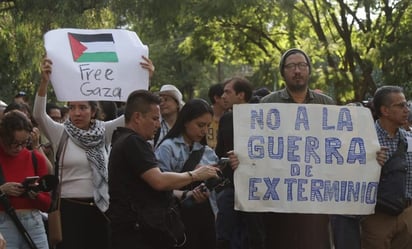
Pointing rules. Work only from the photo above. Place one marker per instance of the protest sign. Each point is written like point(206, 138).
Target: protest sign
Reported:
point(100, 64)
point(297, 158)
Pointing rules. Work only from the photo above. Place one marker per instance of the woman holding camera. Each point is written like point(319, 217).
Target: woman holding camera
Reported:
point(16, 164)
point(186, 138)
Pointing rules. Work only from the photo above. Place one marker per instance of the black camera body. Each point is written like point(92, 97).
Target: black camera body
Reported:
point(45, 183)
point(222, 180)
point(216, 184)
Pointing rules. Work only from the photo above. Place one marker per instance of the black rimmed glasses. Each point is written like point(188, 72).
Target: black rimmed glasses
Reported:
point(17, 144)
point(300, 65)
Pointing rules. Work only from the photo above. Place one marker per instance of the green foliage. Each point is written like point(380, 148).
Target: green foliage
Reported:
point(355, 46)
point(22, 30)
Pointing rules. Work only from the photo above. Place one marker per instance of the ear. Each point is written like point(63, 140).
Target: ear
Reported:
point(136, 116)
point(384, 110)
point(93, 114)
point(242, 95)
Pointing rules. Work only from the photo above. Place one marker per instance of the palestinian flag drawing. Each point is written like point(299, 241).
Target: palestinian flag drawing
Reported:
point(93, 47)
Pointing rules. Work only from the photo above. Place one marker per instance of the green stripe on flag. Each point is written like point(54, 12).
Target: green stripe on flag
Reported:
point(98, 57)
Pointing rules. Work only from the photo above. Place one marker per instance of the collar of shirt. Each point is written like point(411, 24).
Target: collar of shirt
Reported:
point(180, 140)
point(286, 96)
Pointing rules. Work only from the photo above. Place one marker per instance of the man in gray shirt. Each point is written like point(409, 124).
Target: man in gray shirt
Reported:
point(290, 230)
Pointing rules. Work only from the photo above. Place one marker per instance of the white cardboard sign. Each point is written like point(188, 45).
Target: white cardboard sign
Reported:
point(100, 64)
point(298, 158)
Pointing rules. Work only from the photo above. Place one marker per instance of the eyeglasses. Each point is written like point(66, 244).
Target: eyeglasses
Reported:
point(401, 105)
point(23, 144)
point(165, 98)
point(300, 65)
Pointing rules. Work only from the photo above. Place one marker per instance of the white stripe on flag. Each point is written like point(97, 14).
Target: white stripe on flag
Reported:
point(94, 47)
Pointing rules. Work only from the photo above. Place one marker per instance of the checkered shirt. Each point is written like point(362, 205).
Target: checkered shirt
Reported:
point(392, 144)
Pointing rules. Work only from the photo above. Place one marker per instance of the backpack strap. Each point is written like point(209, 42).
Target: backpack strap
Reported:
point(34, 161)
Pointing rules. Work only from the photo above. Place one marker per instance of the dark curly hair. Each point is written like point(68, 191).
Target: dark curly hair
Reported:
point(13, 121)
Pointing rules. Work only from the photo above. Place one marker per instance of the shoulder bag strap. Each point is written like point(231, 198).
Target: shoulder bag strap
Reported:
point(190, 164)
point(193, 160)
point(34, 160)
point(402, 146)
point(62, 142)
point(61, 151)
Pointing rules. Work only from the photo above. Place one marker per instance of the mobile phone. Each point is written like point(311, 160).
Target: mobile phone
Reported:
point(30, 180)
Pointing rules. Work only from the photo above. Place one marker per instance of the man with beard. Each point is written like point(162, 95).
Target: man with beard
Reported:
point(290, 230)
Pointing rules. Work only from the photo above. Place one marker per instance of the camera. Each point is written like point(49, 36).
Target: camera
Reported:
point(222, 180)
point(216, 184)
point(30, 182)
point(45, 183)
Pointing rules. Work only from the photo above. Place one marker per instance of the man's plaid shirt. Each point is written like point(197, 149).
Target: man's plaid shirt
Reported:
point(392, 144)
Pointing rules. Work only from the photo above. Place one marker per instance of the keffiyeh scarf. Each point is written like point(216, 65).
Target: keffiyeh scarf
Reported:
point(92, 141)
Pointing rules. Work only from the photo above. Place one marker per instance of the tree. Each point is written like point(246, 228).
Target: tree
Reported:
point(344, 38)
point(355, 46)
point(23, 24)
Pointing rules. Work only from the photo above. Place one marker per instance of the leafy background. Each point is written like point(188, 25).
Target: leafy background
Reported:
point(355, 46)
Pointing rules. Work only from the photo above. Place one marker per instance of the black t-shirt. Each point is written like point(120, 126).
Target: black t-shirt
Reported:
point(130, 157)
point(225, 140)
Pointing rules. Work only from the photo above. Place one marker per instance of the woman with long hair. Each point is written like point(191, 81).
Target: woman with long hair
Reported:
point(186, 137)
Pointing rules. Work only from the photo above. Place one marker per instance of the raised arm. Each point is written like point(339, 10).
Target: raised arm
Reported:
point(148, 64)
point(53, 130)
point(46, 69)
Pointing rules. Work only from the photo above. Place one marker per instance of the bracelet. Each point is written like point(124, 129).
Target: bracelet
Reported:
point(190, 174)
point(184, 195)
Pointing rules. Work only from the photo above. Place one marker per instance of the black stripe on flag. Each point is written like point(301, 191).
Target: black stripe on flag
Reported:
point(93, 37)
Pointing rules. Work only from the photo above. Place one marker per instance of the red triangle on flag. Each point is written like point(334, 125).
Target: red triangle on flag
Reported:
point(77, 47)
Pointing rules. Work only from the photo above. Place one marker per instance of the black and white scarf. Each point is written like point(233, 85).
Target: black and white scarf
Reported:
point(92, 141)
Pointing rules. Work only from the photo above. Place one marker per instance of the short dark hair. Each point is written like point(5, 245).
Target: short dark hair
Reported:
point(139, 101)
point(382, 98)
point(108, 109)
point(50, 106)
point(215, 90)
point(241, 84)
point(258, 94)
